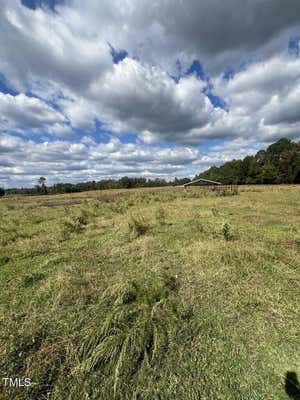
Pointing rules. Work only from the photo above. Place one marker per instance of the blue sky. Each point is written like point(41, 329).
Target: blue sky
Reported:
point(91, 91)
point(33, 4)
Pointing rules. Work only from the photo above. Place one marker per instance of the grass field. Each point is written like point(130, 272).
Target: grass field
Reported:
point(151, 294)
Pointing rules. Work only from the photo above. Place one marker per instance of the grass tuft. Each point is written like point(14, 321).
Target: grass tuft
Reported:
point(75, 224)
point(138, 226)
point(133, 335)
point(31, 279)
point(160, 215)
point(226, 230)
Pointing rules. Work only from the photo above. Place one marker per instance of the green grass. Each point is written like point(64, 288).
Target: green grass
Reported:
point(151, 294)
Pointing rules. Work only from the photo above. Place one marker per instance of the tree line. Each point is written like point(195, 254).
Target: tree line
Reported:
point(278, 164)
point(123, 183)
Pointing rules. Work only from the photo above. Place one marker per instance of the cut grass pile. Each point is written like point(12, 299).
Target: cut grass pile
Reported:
point(151, 294)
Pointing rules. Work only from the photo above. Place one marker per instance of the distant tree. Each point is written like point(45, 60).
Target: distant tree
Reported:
point(42, 180)
point(126, 182)
point(2, 191)
point(181, 181)
point(42, 189)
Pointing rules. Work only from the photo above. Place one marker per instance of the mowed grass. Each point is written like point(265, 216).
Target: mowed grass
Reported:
point(151, 294)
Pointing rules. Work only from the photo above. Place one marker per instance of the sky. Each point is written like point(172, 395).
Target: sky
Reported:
point(94, 89)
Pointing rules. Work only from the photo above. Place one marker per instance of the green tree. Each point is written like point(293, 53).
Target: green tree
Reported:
point(126, 182)
point(268, 173)
point(279, 163)
point(42, 188)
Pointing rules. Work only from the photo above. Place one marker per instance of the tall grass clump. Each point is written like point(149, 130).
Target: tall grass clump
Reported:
point(75, 224)
point(138, 226)
point(215, 212)
point(130, 333)
point(34, 348)
point(226, 230)
point(227, 192)
point(160, 215)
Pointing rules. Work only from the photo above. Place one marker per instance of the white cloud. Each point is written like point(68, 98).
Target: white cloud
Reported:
point(160, 32)
point(23, 111)
point(60, 130)
point(36, 44)
point(79, 111)
point(135, 97)
point(263, 99)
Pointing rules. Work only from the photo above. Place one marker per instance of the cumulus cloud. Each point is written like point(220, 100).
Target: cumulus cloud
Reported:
point(263, 99)
point(37, 44)
point(216, 31)
point(79, 111)
point(141, 98)
point(283, 109)
point(23, 111)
